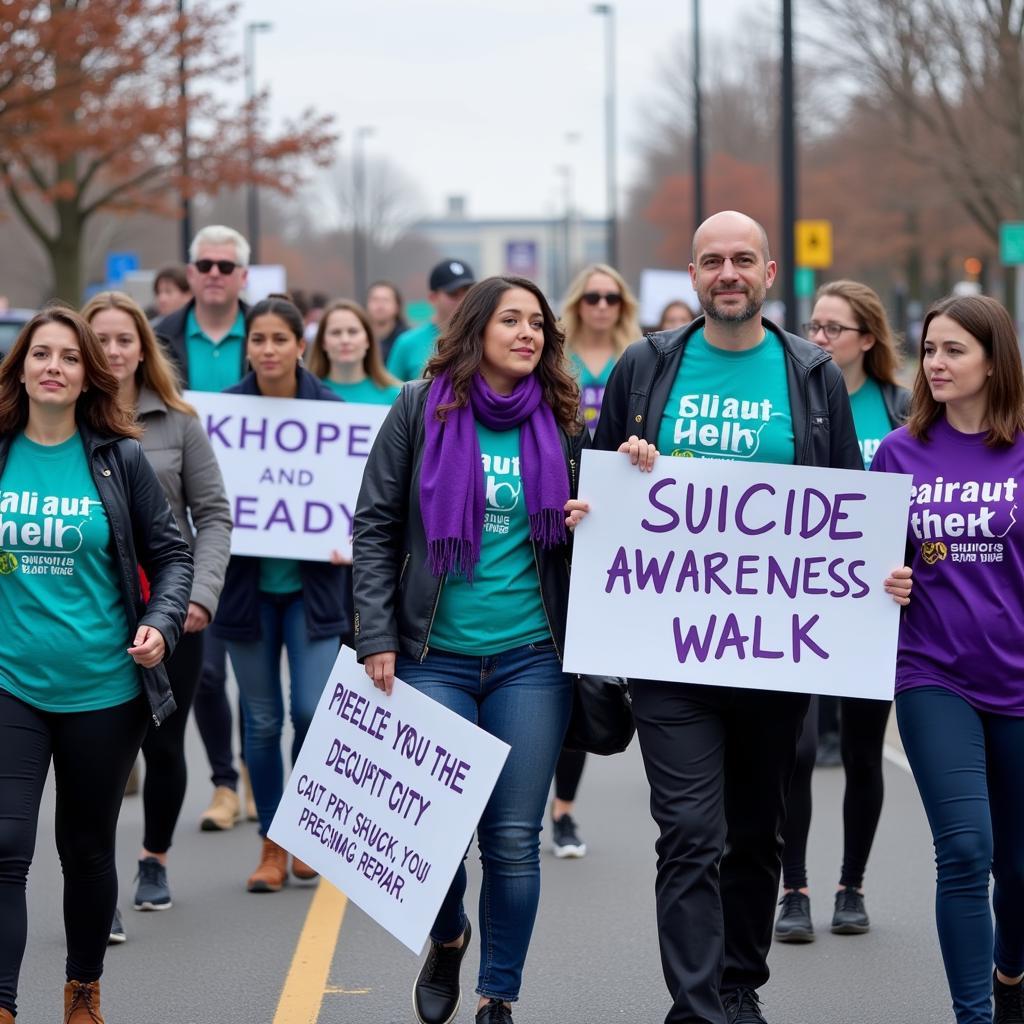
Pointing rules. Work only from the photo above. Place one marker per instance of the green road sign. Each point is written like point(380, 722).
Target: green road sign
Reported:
point(1011, 243)
point(804, 281)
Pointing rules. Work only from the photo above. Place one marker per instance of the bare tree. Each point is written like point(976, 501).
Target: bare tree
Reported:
point(952, 75)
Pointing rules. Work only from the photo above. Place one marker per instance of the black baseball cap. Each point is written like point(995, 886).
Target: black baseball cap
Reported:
point(451, 275)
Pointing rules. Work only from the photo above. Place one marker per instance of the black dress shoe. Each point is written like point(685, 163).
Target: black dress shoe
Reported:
point(494, 1012)
point(437, 995)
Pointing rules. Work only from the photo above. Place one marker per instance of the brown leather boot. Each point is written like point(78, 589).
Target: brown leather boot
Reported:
point(272, 872)
point(6, 1017)
point(300, 869)
point(82, 1003)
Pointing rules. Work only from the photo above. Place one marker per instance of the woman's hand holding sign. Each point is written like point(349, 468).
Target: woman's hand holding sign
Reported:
point(381, 670)
point(898, 584)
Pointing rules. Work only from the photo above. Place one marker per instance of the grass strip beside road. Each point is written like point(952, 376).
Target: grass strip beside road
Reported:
point(304, 988)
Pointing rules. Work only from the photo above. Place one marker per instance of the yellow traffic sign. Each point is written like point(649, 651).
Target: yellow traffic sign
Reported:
point(814, 244)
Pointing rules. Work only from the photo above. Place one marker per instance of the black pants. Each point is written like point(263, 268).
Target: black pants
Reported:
point(568, 773)
point(163, 792)
point(718, 761)
point(213, 712)
point(862, 726)
point(92, 753)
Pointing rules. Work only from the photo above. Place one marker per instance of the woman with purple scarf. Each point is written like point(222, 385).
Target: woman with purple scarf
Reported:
point(461, 589)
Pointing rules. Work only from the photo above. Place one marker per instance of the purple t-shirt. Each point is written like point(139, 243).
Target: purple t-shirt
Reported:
point(964, 627)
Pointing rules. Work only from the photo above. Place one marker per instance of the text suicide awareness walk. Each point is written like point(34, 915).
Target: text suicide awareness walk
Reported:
point(292, 469)
point(385, 796)
point(735, 574)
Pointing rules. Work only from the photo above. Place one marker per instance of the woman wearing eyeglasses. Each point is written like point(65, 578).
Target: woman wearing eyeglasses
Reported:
point(849, 322)
point(599, 317)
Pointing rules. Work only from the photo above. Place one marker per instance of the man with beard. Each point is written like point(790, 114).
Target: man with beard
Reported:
point(718, 759)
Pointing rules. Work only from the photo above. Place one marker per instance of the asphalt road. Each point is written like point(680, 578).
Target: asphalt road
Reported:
point(222, 955)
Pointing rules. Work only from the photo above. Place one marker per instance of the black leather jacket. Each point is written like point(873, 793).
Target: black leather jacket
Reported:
point(897, 403)
point(144, 533)
point(396, 595)
point(639, 386)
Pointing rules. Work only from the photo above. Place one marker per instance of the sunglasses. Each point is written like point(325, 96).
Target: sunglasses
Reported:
point(593, 298)
point(224, 266)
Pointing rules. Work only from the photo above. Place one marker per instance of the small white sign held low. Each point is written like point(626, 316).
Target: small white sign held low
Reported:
point(737, 574)
point(385, 796)
point(292, 469)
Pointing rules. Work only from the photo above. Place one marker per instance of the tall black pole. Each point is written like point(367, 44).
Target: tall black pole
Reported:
point(252, 194)
point(359, 226)
point(789, 211)
point(186, 205)
point(611, 184)
point(698, 125)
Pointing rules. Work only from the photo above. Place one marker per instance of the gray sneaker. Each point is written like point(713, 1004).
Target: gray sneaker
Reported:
point(117, 935)
point(152, 892)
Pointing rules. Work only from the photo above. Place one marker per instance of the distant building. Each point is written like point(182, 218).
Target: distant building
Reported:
point(548, 251)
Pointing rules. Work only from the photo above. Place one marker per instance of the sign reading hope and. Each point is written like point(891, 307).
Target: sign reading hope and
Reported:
point(737, 574)
point(385, 796)
point(292, 469)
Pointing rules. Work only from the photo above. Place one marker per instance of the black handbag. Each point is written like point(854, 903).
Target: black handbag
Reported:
point(601, 721)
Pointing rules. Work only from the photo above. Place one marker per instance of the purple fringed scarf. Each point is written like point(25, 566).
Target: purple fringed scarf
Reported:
point(452, 476)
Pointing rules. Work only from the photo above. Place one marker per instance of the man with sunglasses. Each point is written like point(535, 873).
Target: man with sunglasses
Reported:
point(449, 281)
point(206, 339)
point(728, 385)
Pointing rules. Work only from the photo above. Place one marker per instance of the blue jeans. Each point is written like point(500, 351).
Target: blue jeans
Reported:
point(257, 665)
point(523, 698)
point(968, 765)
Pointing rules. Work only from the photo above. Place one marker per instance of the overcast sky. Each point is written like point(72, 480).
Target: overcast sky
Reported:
point(476, 97)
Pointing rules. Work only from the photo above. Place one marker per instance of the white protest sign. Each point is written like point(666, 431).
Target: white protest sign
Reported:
point(737, 574)
point(292, 469)
point(385, 796)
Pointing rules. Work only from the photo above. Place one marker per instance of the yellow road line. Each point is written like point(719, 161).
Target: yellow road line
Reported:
point(306, 983)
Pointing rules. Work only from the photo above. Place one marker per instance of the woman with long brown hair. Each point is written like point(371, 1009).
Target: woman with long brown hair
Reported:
point(464, 499)
point(180, 453)
point(345, 355)
point(960, 663)
point(80, 511)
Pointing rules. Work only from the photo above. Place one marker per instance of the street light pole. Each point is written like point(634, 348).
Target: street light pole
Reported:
point(789, 171)
point(608, 12)
point(698, 125)
point(186, 205)
point(359, 241)
point(252, 194)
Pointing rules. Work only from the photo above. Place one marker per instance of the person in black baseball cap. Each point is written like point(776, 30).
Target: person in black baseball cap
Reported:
point(448, 283)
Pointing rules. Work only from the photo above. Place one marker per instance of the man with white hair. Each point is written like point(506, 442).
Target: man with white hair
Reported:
point(206, 339)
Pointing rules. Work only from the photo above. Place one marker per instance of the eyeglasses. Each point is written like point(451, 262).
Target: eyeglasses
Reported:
point(831, 331)
point(593, 298)
point(224, 266)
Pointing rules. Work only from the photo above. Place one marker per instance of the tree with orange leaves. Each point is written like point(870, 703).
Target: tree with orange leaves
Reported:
point(94, 99)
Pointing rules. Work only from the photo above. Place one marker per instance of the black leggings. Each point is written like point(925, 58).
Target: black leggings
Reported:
point(568, 773)
point(163, 792)
point(92, 753)
point(861, 737)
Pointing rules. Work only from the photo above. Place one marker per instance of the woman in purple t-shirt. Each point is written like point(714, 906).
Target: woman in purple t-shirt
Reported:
point(960, 668)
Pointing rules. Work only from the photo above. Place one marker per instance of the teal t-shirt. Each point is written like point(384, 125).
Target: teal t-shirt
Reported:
point(280, 576)
point(729, 405)
point(366, 392)
point(214, 365)
point(65, 633)
point(870, 419)
point(502, 608)
point(411, 351)
point(591, 389)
